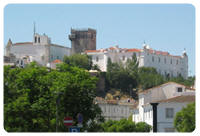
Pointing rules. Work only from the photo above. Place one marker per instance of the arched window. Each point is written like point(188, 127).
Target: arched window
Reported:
point(35, 39)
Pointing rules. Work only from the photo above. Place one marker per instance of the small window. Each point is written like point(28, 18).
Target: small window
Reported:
point(165, 60)
point(123, 58)
point(152, 58)
point(159, 59)
point(35, 39)
point(97, 59)
point(176, 62)
point(169, 112)
point(179, 89)
point(21, 62)
point(169, 130)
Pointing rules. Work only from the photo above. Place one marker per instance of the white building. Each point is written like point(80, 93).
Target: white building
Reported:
point(171, 98)
point(40, 50)
point(164, 63)
point(115, 109)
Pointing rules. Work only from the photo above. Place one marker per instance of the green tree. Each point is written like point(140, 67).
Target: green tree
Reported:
point(185, 119)
point(187, 82)
point(122, 76)
point(32, 94)
point(148, 78)
point(125, 125)
point(79, 60)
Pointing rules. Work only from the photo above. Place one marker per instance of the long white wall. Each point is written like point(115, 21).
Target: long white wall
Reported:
point(115, 111)
point(58, 52)
point(38, 53)
point(164, 64)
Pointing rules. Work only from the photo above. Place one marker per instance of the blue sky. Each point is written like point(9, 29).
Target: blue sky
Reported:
point(166, 27)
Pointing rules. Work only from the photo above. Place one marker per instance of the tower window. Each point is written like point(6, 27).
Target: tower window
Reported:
point(35, 39)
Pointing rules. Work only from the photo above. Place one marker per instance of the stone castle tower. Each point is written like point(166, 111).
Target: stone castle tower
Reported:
point(82, 40)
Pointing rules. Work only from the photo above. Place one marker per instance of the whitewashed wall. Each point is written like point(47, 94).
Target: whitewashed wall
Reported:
point(115, 111)
point(164, 122)
point(173, 66)
point(58, 52)
point(38, 53)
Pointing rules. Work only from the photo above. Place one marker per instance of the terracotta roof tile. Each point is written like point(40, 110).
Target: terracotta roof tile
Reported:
point(22, 43)
point(146, 91)
point(179, 99)
point(57, 61)
point(133, 50)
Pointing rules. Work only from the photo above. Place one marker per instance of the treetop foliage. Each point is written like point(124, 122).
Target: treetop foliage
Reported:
point(185, 119)
point(34, 97)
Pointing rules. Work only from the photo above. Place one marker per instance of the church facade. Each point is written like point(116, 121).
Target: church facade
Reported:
point(40, 50)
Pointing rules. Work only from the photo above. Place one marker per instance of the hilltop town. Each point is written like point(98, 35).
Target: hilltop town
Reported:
point(130, 83)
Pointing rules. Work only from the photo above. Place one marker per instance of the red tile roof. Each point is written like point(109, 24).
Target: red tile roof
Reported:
point(179, 99)
point(133, 50)
point(146, 91)
point(57, 61)
point(22, 43)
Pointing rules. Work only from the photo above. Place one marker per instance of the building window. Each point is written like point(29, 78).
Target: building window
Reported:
point(123, 58)
point(152, 58)
point(179, 89)
point(38, 39)
point(169, 112)
point(169, 130)
point(97, 59)
point(176, 62)
point(159, 59)
point(35, 39)
point(171, 61)
point(57, 57)
point(165, 60)
point(51, 56)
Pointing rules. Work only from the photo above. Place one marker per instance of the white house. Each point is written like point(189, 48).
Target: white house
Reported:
point(171, 98)
point(40, 50)
point(164, 63)
point(115, 109)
